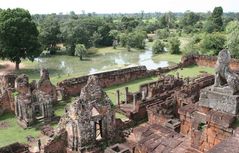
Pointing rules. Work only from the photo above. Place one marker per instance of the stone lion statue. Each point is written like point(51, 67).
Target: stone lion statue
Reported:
point(224, 77)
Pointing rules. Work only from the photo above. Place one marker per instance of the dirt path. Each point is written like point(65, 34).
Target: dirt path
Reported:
point(7, 67)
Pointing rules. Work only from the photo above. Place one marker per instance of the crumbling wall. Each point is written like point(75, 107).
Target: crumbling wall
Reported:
point(45, 85)
point(149, 94)
point(6, 101)
point(169, 98)
point(57, 144)
point(72, 87)
point(205, 127)
point(190, 91)
point(7, 80)
point(161, 111)
point(229, 145)
point(15, 148)
point(208, 61)
point(6, 91)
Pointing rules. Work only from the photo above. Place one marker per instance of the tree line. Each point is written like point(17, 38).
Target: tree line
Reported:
point(23, 35)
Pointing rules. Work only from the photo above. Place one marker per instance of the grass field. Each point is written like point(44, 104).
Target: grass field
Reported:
point(13, 132)
point(175, 58)
point(192, 71)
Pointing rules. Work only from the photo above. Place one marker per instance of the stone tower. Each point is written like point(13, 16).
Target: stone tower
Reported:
point(34, 101)
point(89, 119)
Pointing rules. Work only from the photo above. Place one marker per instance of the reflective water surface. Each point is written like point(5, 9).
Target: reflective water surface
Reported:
point(97, 63)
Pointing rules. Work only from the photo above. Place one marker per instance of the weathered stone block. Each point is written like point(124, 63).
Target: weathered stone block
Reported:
point(219, 101)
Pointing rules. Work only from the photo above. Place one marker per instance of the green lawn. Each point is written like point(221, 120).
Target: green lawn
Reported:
point(175, 58)
point(14, 133)
point(133, 87)
point(192, 71)
point(121, 116)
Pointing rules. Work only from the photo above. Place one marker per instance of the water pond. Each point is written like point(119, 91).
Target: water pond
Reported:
point(67, 65)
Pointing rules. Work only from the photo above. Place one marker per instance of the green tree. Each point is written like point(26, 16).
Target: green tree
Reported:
point(75, 33)
point(217, 17)
point(128, 23)
point(232, 30)
point(150, 27)
point(167, 20)
point(136, 39)
point(174, 45)
point(114, 34)
point(211, 44)
point(158, 47)
point(104, 31)
point(193, 46)
point(123, 37)
point(162, 33)
point(18, 36)
point(95, 38)
point(189, 18)
point(50, 34)
point(214, 22)
point(80, 50)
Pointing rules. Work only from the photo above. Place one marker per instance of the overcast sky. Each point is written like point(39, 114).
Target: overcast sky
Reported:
point(119, 6)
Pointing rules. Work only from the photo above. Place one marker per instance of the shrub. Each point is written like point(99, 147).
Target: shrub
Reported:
point(158, 47)
point(174, 45)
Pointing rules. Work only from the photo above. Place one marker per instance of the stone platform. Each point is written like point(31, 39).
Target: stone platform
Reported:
point(155, 138)
point(219, 99)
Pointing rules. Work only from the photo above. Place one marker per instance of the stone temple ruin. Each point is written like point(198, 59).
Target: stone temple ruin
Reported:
point(193, 117)
point(90, 119)
point(172, 114)
point(30, 101)
point(7, 82)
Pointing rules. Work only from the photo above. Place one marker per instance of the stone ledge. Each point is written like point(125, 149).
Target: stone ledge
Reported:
point(219, 101)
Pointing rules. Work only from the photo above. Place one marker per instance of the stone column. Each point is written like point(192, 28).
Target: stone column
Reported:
point(46, 110)
point(118, 97)
point(43, 110)
point(177, 74)
point(134, 101)
point(20, 111)
point(126, 94)
point(143, 95)
point(187, 80)
point(16, 108)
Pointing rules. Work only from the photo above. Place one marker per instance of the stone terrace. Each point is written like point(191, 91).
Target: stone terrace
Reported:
point(154, 138)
